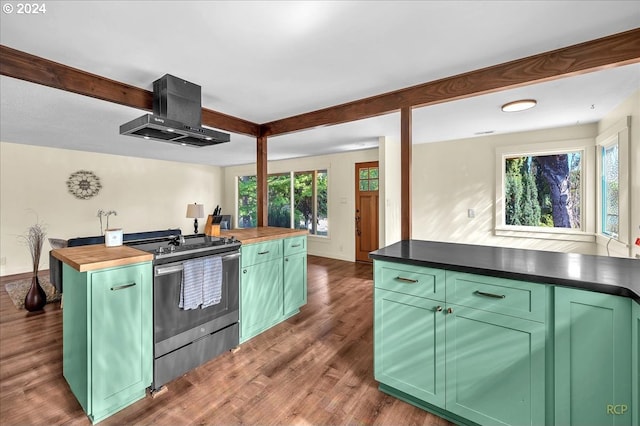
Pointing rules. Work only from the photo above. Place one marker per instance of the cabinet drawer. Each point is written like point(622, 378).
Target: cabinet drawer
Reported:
point(408, 279)
point(261, 252)
point(509, 297)
point(295, 245)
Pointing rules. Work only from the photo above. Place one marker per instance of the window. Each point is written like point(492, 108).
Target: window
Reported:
point(296, 200)
point(247, 202)
point(368, 179)
point(279, 190)
point(310, 202)
point(610, 190)
point(543, 190)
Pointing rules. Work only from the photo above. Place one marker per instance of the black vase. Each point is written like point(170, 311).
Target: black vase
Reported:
point(36, 298)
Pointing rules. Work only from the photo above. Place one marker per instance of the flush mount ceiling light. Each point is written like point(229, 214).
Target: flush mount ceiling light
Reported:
point(520, 105)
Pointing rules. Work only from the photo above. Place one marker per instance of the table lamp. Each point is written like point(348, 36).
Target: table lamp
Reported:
point(195, 211)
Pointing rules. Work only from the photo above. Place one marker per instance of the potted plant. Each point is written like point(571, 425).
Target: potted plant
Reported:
point(36, 298)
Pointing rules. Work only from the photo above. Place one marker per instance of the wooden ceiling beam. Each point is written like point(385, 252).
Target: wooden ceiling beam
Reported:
point(24, 66)
point(615, 50)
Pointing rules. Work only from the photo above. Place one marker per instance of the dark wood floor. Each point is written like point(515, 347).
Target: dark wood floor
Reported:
point(314, 369)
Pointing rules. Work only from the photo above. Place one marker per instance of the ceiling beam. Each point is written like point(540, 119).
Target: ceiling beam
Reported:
point(615, 50)
point(24, 66)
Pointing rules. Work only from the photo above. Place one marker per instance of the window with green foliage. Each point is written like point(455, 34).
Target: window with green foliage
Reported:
point(543, 190)
point(610, 190)
point(296, 199)
point(279, 189)
point(247, 202)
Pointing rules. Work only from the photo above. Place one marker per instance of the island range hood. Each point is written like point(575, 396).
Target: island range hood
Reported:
point(177, 116)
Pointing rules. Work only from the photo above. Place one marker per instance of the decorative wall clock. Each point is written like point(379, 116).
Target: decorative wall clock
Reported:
point(84, 184)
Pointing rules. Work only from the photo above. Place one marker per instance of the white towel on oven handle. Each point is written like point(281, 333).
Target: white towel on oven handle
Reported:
point(191, 286)
point(212, 282)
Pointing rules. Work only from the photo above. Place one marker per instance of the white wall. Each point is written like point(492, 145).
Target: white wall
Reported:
point(147, 194)
point(390, 192)
point(449, 178)
point(340, 244)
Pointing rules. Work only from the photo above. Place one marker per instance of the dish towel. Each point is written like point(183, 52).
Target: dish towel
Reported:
point(191, 286)
point(212, 282)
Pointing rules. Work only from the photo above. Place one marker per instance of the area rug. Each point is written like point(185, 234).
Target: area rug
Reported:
point(17, 290)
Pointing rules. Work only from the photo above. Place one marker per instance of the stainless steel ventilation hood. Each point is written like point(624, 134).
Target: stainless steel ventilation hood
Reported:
point(177, 116)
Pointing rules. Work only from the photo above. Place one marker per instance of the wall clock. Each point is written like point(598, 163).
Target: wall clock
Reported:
point(84, 184)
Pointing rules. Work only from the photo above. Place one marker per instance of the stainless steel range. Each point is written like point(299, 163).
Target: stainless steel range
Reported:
point(185, 339)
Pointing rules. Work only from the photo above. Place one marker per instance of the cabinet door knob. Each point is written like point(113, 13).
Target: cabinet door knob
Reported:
point(449, 310)
point(438, 308)
point(244, 271)
point(286, 259)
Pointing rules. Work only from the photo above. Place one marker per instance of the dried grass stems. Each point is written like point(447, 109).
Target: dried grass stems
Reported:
point(34, 239)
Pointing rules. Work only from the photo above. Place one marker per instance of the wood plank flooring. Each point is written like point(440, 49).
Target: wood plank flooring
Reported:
point(314, 369)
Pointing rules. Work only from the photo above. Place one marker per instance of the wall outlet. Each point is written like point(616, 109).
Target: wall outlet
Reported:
point(471, 213)
point(3, 261)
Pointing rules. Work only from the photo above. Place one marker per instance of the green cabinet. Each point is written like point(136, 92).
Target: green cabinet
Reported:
point(477, 349)
point(495, 367)
point(295, 274)
point(474, 360)
point(409, 349)
point(260, 297)
point(273, 283)
point(593, 355)
point(108, 336)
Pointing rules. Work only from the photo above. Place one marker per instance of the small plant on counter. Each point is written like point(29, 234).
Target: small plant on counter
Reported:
point(105, 213)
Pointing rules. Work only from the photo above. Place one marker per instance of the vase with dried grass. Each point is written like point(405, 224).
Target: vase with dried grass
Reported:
point(36, 298)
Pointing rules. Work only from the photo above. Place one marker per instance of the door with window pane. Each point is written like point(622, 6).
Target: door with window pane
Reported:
point(366, 215)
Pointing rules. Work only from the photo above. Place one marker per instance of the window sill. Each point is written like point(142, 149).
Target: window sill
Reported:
point(551, 234)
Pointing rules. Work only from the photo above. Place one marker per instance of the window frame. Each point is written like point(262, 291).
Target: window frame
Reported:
point(620, 243)
point(586, 231)
point(292, 174)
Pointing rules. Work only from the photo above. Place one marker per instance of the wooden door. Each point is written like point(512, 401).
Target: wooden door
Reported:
point(366, 215)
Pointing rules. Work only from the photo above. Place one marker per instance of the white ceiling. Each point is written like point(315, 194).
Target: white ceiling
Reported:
point(267, 60)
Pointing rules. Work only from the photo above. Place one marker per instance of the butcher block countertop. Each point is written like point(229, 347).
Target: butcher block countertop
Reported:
point(98, 256)
point(265, 233)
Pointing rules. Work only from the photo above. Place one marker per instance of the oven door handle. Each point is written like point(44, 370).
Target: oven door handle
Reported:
point(165, 270)
point(168, 270)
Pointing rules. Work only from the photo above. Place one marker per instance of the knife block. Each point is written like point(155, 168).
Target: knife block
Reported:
point(212, 229)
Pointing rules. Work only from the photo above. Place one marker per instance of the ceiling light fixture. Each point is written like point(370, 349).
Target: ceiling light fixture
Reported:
point(520, 105)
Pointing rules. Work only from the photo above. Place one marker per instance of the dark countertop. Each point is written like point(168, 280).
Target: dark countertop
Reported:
point(611, 275)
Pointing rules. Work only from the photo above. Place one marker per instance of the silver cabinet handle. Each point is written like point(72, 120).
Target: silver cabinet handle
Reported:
point(438, 308)
point(495, 296)
point(406, 280)
point(263, 252)
point(122, 287)
point(296, 245)
point(449, 310)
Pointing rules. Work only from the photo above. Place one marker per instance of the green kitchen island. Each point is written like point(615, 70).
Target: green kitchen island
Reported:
point(107, 333)
point(499, 336)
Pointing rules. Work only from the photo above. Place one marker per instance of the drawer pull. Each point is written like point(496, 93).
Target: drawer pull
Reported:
point(296, 245)
point(406, 280)
point(438, 308)
point(122, 287)
point(263, 252)
point(495, 296)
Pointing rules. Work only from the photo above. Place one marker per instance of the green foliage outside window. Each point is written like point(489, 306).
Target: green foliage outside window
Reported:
point(543, 191)
point(307, 214)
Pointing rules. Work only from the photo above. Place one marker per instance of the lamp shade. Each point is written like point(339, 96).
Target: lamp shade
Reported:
point(195, 210)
